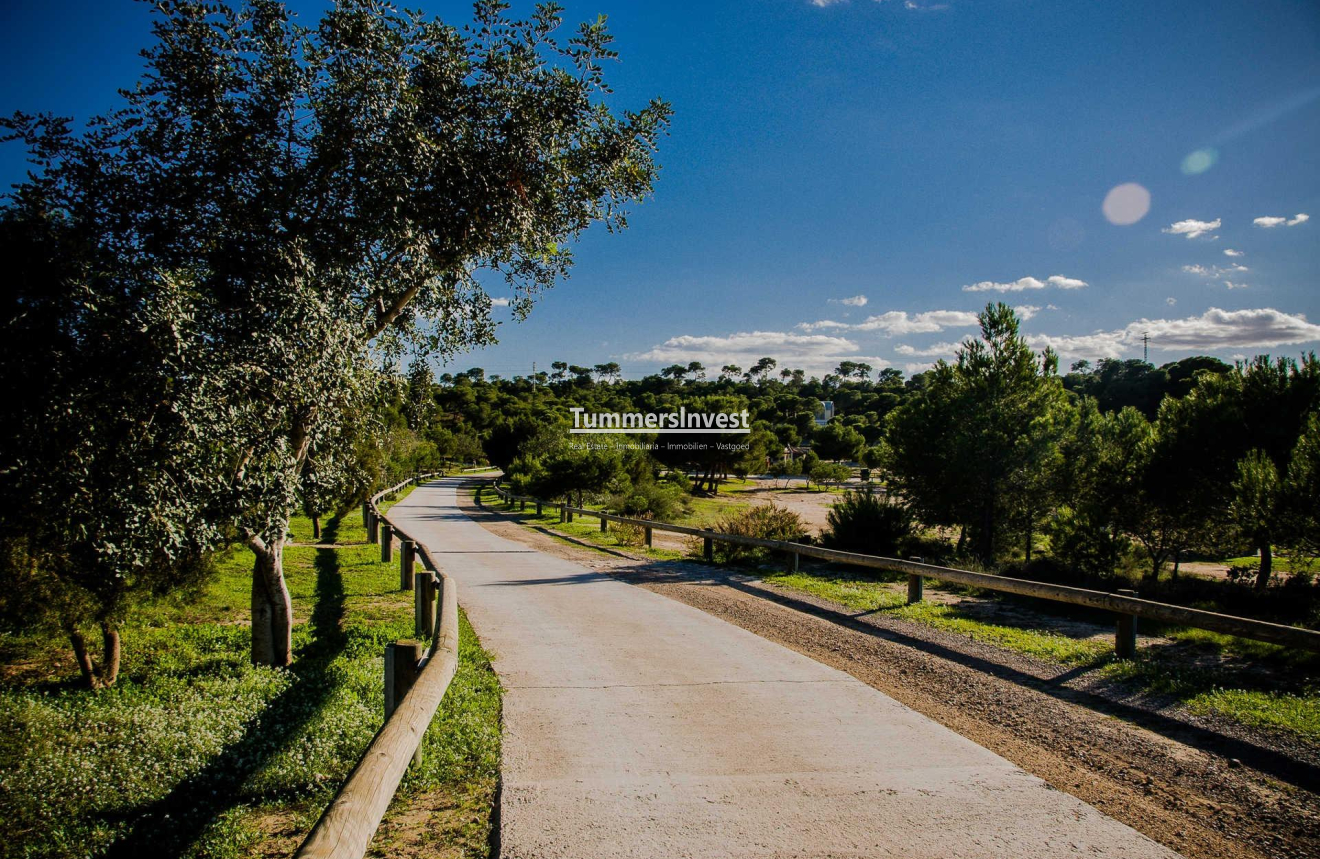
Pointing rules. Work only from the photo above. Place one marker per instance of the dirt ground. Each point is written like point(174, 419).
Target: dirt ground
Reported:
point(812, 506)
point(1199, 786)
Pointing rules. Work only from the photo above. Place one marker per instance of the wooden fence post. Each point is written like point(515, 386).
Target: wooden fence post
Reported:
point(797, 561)
point(538, 508)
point(915, 587)
point(407, 562)
point(604, 524)
point(522, 505)
point(373, 529)
point(708, 549)
point(1125, 638)
point(366, 513)
point(386, 543)
point(563, 514)
point(570, 512)
point(424, 605)
point(401, 660)
point(647, 532)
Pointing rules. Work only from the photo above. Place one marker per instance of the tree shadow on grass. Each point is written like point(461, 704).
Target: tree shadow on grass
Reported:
point(168, 826)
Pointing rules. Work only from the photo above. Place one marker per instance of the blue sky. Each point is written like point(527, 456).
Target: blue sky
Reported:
point(926, 156)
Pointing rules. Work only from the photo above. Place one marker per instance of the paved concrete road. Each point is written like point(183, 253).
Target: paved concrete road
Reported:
point(637, 726)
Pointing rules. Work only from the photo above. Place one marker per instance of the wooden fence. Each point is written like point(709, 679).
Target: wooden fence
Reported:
point(1126, 605)
point(417, 675)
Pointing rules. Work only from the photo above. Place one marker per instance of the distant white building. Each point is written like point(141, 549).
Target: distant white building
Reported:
point(825, 414)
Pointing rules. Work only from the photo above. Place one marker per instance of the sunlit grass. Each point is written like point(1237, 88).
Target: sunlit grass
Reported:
point(194, 750)
point(1219, 692)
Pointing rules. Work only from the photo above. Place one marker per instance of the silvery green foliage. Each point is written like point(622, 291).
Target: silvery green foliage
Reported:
point(104, 484)
point(319, 194)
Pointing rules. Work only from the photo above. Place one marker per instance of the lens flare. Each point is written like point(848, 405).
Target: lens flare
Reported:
point(1126, 204)
point(1199, 161)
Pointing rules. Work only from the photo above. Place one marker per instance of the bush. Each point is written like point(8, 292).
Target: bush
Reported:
point(679, 479)
point(765, 522)
point(628, 535)
point(663, 501)
point(827, 472)
point(1089, 547)
point(869, 523)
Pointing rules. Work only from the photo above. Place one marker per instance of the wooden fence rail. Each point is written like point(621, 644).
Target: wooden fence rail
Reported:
point(1127, 607)
point(415, 688)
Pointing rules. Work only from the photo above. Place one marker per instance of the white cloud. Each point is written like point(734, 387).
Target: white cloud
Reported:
point(1215, 272)
point(815, 353)
point(1275, 221)
point(1019, 285)
point(823, 3)
point(1231, 285)
point(499, 302)
point(899, 322)
point(855, 301)
point(1229, 252)
point(1192, 228)
point(938, 350)
point(1171, 301)
point(1026, 311)
point(1023, 284)
point(1213, 330)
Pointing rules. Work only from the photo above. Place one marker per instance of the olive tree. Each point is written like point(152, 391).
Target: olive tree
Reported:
point(338, 190)
point(103, 500)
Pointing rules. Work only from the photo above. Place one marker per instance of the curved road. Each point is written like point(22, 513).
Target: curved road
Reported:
point(637, 726)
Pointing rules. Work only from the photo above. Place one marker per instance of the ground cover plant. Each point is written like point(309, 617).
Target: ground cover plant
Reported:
point(197, 752)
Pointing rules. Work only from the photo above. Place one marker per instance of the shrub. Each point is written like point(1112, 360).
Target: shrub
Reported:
point(679, 479)
point(765, 522)
point(869, 523)
point(662, 501)
point(1087, 546)
point(826, 472)
point(628, 535)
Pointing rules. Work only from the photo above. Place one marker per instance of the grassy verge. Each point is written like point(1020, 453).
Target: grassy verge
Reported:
point(583, 530)
point(1283, 563)
point(1249, 697)
point(1238, 693)
point(197, 753)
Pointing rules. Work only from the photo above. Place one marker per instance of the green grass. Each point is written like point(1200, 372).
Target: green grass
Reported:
point(1243, 696)
point(1223, 693)
point(1282, 563)
point(875, 595)
point(195, 752)
point(584, 529)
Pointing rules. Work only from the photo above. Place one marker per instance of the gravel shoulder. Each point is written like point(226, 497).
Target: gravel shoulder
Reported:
point(1198, 786)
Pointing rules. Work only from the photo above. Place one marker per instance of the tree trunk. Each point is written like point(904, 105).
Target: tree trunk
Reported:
point(962, 540)
point(986, 539)
point(109, 654)
point(1266, 566)
point(83, 656)
point(97, 676)
point(1156, 564)
point(316, 528)
point(272, 612)
point(1030, 534)
point(1177, 559)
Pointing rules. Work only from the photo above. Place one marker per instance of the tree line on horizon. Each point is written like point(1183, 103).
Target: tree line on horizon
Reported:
point(1092, 469)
